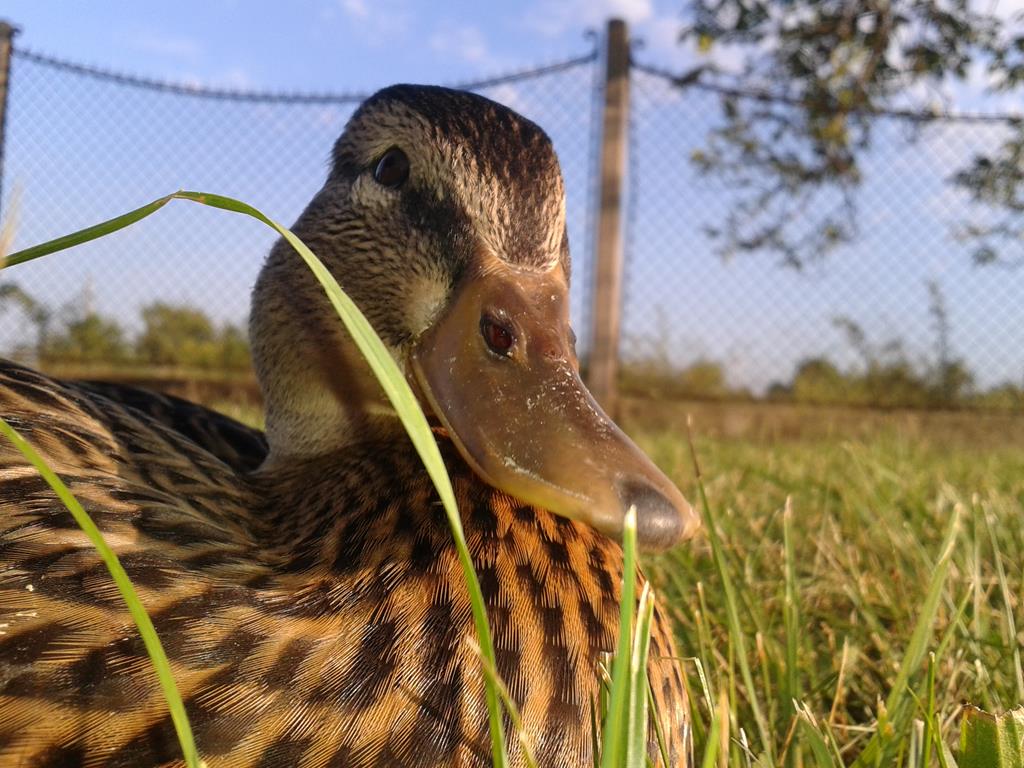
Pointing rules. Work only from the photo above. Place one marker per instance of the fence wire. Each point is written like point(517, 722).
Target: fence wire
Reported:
point(901, 315)
point(898, 316)
point(84, 145)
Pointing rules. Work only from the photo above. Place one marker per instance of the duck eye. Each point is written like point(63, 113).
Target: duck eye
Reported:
point(392, 169)
point(499, 338)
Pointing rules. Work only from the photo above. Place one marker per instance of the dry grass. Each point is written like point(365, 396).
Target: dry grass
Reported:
point(872, 496)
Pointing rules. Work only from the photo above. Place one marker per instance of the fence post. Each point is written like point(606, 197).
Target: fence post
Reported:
point(7, 33)
point(607, 302)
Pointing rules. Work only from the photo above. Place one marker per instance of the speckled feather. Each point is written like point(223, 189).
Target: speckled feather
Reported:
point(315, 616)
point(240, 447)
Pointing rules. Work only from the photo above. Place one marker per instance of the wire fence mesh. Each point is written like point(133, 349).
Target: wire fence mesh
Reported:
point(898, 316)
point(84, 145)
point(901, 315)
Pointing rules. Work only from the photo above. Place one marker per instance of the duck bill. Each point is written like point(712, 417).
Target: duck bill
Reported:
point(526, 423)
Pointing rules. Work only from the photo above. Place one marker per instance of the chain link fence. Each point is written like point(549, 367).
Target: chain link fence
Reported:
point(901, 315)
point(84, 145)
point(898, 316)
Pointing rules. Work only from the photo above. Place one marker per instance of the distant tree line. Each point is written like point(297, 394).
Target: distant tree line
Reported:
point(885, 383)
point(184, 337)
point(171, 336)
point(885, 376)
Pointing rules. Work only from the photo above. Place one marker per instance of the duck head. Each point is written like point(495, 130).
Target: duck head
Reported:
point(443, 217)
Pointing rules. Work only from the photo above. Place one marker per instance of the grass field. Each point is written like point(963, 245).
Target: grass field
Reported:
point(866, 524)
point(872, 495)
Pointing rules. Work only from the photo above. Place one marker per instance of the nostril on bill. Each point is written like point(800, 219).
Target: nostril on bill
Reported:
point(659, 523)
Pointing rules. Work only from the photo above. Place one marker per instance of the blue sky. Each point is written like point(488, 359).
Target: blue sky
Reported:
point(330, 44)
point(80, 151)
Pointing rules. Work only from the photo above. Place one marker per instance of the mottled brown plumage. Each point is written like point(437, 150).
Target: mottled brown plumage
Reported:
point(240, 447)
point(313, 608)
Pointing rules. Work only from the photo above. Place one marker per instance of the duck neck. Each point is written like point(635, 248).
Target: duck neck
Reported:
point(318, 390)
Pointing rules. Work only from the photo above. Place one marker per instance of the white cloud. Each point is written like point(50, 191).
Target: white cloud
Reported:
point(236, 77)
point(657, 29)
point(553, 18)
point(383, 21)
point(630, 10)
point(168, 46)
point(510, 96)
point(355, 8)
point(463, 40)
point(661, 35)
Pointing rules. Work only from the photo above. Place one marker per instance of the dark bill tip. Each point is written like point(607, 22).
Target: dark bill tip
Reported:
point(660, 523)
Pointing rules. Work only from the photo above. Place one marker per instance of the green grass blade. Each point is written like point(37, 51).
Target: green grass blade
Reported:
point(816, 741)
point(791, 619)
point(87, 234)
point(946, 759)
point(732, 608)
point(917, 647)
point(992, 741)
point(392, 382)
point(705, 672)
point(716, 749)
point(614, 737)
point(1007, 594)
point(636, 752)
point(899, 697)
point(524, 738)
point(124, 586)
point(930, 721)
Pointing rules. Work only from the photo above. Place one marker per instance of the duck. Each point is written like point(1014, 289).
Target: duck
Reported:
point(303, 580)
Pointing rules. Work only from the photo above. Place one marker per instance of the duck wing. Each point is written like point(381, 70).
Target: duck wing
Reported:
point(241, 447)
point(73, 671)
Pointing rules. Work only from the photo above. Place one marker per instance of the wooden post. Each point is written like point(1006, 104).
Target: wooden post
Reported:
point(606, 310)
point(7, 33)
